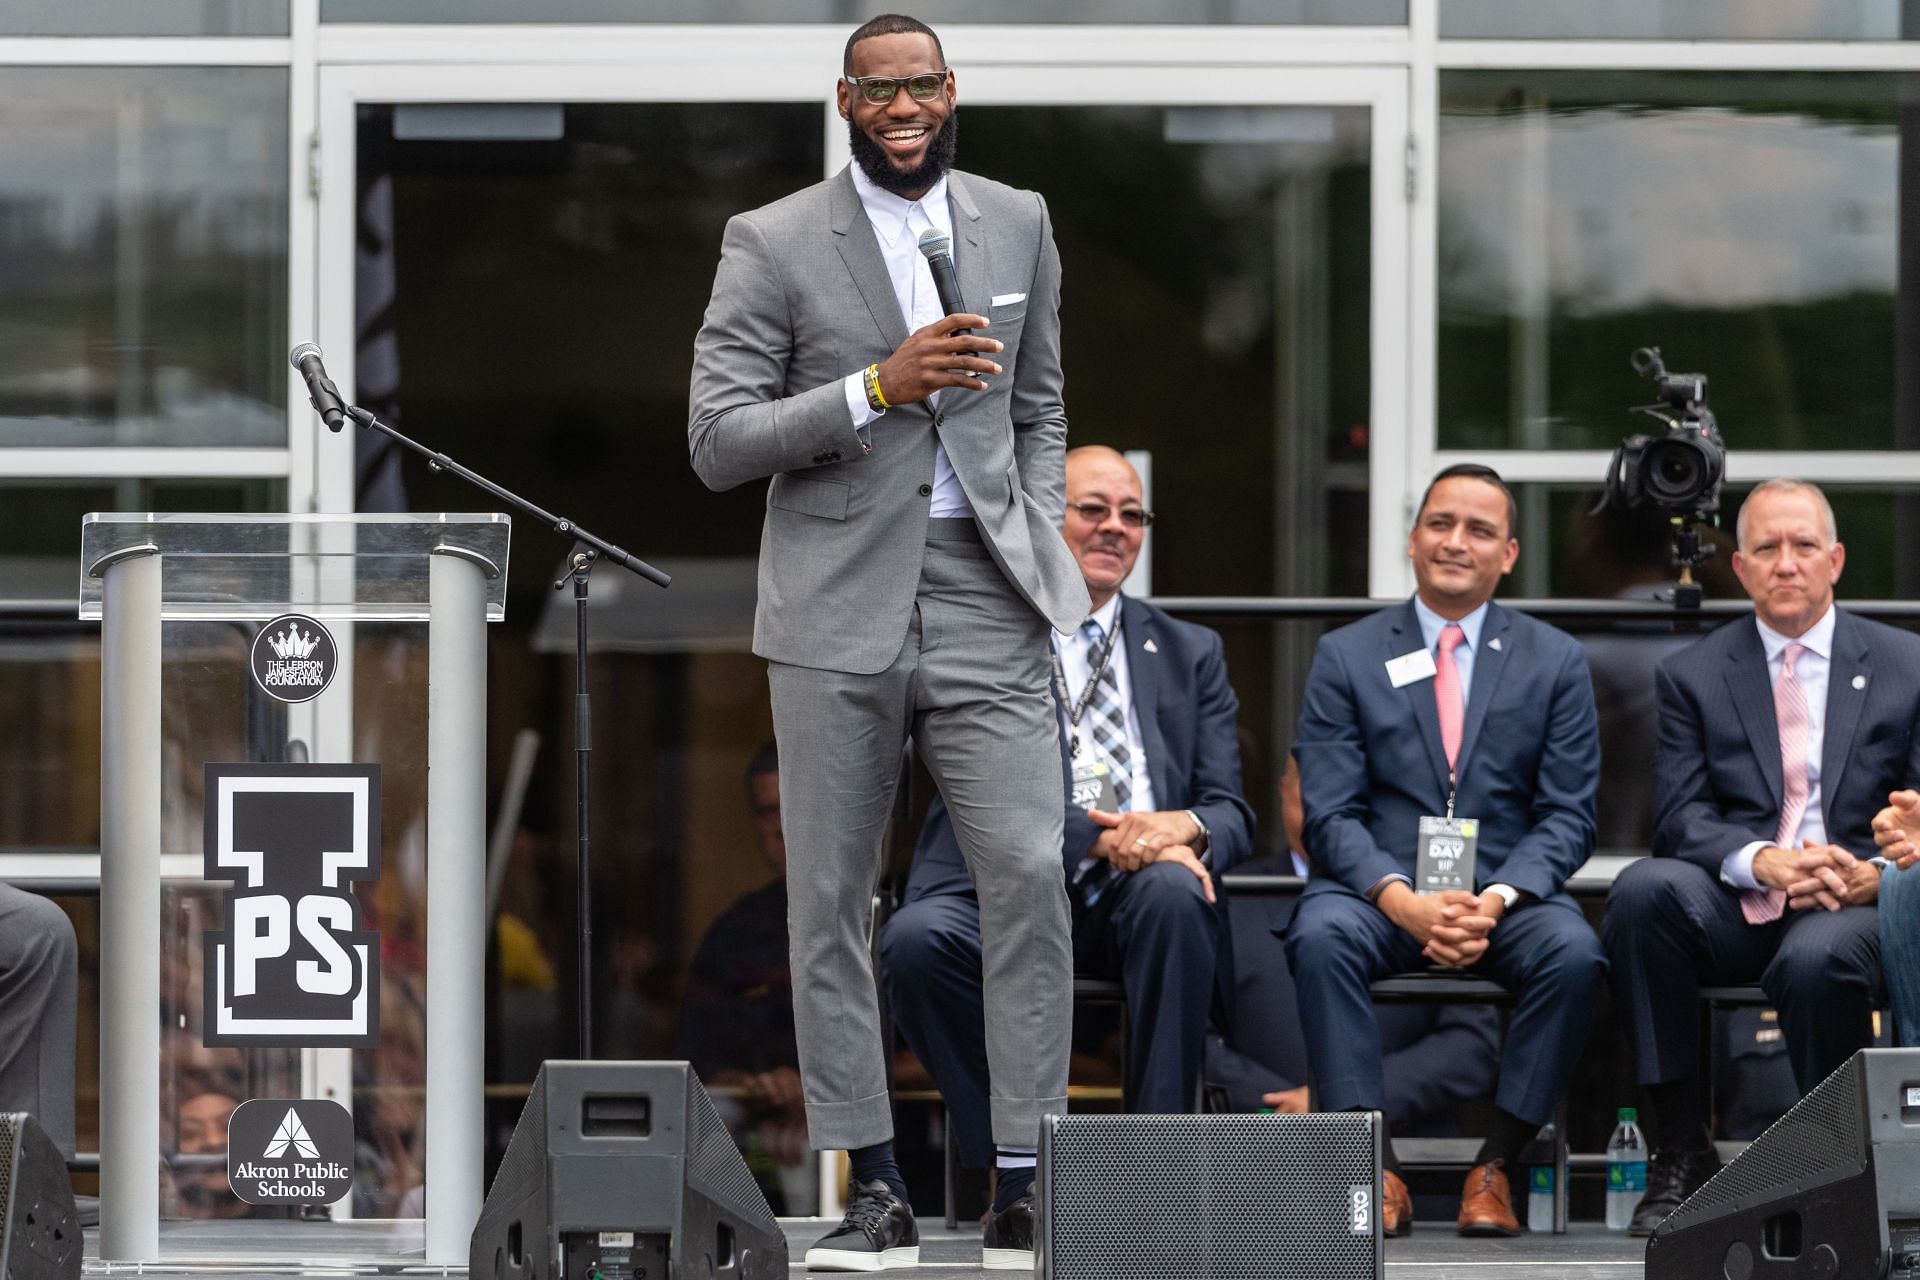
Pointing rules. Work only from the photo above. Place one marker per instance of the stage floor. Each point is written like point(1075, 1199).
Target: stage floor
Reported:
point(349, 1249)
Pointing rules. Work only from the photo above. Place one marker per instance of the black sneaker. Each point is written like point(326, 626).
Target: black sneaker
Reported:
point(1672, 1176)
point(877, 1234)
point(1008, 1244)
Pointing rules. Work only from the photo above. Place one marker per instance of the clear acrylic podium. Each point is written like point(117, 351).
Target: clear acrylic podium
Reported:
point(406, 599)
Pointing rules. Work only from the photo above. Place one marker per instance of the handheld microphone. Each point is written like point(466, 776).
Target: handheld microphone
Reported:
point(321, 393)
point(936, 246)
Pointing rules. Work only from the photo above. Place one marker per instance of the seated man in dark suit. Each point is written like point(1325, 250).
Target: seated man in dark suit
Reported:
point(1449, 706)
point(1780, 739)
point(1896, 829)
point(39, 987)
point(1149, 731)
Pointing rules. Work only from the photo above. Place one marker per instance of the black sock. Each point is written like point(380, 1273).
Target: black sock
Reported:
point(1388, 1161)
point(1011, 1181)
point(1678, 1115)
point(876, 1161)
point(1507, 1137)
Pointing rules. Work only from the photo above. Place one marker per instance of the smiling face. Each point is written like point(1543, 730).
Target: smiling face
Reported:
point(904, 146)
point(1460, 545)
point(1788, 559)
point(1106, 549)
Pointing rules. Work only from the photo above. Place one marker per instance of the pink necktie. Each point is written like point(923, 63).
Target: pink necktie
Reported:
point(1446, 693)
point(1790, 709)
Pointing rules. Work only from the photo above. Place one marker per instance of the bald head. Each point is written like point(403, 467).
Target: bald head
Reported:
point(1102, 481)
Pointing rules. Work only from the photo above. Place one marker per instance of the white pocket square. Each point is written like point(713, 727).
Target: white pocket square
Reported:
point(1008, 299)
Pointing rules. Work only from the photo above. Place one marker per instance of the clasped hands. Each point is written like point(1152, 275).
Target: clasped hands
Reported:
point(1452, 927)
point(1129, 841)
point(1817, 875)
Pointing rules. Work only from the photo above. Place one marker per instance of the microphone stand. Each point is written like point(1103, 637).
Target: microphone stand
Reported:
point(588, 549)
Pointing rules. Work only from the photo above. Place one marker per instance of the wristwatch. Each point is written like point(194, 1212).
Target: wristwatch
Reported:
point(1506, 893)
point(1206, 837)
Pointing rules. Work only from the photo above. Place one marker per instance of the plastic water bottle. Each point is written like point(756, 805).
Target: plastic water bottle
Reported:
point(1540, 1198)
point(1626, 1169)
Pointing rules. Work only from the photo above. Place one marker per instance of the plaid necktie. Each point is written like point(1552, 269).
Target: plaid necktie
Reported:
point(1107, 719)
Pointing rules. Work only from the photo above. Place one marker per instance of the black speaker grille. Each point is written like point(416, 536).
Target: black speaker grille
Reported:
point(1820, 1140)
point(716, 1168)
point(9, 1141)
point(1210, 1197)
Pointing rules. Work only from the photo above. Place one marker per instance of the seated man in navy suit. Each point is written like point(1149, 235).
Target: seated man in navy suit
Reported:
point(1781, 738)
point(1449, 706)
point(1149, 744)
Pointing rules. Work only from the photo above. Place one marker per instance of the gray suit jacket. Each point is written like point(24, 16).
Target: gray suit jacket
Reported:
point(801, 300)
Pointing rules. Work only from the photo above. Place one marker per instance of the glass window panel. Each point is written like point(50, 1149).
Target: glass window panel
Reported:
point(143, 227)
point(145, 18)
point(1674, 19)
point(1349, 13)
point(1750, 225)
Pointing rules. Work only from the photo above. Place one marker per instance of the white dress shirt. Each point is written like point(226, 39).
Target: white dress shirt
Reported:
point(1736, 868)
point(897, 224)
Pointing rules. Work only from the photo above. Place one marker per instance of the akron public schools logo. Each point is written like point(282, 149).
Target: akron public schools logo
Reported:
point(290, 1151)
point(294, 658)
point(293, 968)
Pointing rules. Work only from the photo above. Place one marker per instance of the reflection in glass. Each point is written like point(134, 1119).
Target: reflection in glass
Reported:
point(1750, 225)
point(1351, 13)
point(146, 18)
point(1673, 19)
point(143, 224)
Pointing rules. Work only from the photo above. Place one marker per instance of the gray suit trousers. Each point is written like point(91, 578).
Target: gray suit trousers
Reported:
point(970, 686)
point(39, 982)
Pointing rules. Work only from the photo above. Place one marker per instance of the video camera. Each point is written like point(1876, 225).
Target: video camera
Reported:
point(1680, 472)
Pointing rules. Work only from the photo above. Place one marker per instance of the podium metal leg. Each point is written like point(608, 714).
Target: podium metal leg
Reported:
point(130, 754)
point(456, 903)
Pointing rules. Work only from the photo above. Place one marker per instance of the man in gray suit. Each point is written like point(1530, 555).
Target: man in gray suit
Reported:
point(911, 566)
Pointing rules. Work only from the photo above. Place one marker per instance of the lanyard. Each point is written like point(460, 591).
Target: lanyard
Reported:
point(1077, 709)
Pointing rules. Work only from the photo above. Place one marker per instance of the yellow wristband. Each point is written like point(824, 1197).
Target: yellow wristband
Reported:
point(874, 396)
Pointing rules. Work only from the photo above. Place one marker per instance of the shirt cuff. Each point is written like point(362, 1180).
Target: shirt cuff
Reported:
point(1736, 868)
point(857, 407)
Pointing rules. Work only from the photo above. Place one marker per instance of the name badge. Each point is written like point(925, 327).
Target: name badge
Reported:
point(1409, 668)
point(1446, 854)
point(1093, 787)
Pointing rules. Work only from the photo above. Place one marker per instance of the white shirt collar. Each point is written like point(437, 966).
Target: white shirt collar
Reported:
point(889, 213)
point(1819, 637)
point(1432, 624)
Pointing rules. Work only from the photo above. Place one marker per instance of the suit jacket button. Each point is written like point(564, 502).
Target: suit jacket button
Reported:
point(926, 491)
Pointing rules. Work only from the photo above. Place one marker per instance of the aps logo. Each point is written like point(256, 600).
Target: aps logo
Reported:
point(293, 968)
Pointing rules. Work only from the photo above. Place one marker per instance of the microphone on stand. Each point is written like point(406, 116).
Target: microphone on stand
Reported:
point(321, 393)
point(937, 247)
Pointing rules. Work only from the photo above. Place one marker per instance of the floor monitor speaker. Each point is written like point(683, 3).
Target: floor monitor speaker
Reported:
point(40, 1235)
point(624, 1171)
point(1830, 1191)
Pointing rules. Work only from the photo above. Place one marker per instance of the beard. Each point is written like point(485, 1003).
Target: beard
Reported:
point(873, 161)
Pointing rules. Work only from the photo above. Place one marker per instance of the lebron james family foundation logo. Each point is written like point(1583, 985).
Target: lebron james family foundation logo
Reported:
point(294, 658)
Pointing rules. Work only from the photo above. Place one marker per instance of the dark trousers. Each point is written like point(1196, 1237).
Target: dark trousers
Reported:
point(1152, 930)
point(1543, 952)
point(1672, 927)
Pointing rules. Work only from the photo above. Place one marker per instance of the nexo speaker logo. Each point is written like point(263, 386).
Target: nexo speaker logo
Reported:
point(294, 658)
point(1360, 1210)
point(293, 968)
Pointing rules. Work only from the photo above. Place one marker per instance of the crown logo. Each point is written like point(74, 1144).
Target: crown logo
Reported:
point(291, 644)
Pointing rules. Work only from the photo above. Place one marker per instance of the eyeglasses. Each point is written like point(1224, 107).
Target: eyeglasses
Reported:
point(1097, 513)
point(881, 90)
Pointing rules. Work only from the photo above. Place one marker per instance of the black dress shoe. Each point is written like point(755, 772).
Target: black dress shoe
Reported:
point(878, 1234)
point(1672, 1176)
point(1008, 1244)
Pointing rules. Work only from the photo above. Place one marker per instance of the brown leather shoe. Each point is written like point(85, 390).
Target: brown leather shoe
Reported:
point(1396, 1206)
point(1486, 1208)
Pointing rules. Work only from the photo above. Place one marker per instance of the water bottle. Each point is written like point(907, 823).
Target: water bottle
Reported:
point(1540, 1198)
point(1626, 1169)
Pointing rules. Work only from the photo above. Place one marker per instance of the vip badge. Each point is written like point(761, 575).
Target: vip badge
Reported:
point(293, 968)
point(290, 1151)
point(294, 658)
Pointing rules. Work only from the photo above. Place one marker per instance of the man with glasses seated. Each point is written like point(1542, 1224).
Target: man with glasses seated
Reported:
point(1449, 709)
point(910, 570)
point(1153, 815)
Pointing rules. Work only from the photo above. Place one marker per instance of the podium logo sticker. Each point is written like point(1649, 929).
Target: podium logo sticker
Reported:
point(294, 658)
point(292, 968)
point(290, 1151)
